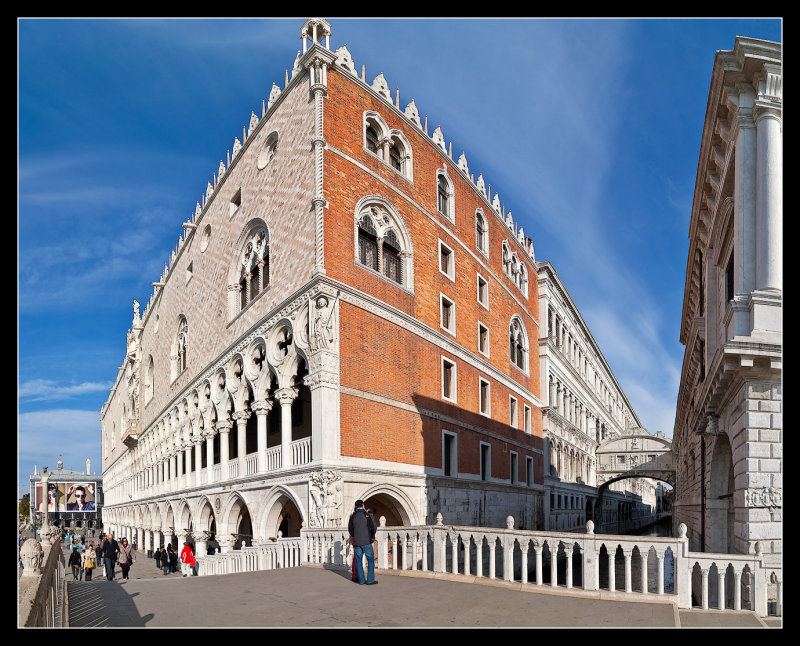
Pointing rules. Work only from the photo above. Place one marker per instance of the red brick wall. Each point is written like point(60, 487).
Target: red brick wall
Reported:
point(383, 358)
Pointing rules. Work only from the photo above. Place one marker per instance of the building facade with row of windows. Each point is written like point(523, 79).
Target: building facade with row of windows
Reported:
point(728, 424)
point(348, 314)
point(591, 431)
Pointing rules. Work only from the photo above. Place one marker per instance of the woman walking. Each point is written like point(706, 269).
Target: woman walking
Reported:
point(89, 561)
point(126, 558)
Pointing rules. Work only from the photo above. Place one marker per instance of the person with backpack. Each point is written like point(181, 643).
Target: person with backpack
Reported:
point(362, 532)
point(75, 563)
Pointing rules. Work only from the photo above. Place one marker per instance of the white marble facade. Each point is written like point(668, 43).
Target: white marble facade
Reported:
point(586, 409)
point(728, 428)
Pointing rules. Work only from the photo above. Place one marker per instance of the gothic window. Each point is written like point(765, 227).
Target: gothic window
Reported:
point(148, 380)
point(250, 273)
point(367, 243)
point(481, 233)
point(382, 242)
point(372, 140)
point(518, 344)
point(444, 195)
point(514, 268)
point(391, 256)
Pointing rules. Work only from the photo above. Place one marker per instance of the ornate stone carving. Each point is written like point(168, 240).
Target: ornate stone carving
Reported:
point(438, 138)
point(253, 123)
point(326, 499)
point(274, 93)
point(462, 164)
point(763, 497)
point(412, 113)
point(32, 556)
point(345, 60)
point(381, 87)
point(480, 185)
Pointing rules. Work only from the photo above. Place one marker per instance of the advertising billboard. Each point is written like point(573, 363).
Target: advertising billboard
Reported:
point(66, 496)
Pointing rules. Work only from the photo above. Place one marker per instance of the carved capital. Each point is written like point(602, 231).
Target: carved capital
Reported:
point(285, 396)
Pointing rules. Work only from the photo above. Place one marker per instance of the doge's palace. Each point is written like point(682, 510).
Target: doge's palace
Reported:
point(347, 314)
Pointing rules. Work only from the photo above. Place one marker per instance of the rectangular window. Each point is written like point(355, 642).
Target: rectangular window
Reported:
point(483, 339)
point(448, 379)
point(484, 397)
point(512, 411)
point(483, 291)
point(446, 261)
point(448, 314)
point(513, 468)
point(391, 264)
point(449, 454)
point(236, 202)
point(486, 461)
point(529, 471)
point(527, 420)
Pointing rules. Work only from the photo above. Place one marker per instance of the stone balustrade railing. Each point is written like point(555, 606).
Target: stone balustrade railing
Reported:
point(42, 584)
point(611, 566)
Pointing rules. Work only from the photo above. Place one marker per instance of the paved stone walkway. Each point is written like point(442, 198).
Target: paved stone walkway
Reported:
point(320, 597)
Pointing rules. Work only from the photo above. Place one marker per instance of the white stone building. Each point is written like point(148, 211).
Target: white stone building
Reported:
point(585, 409)
point(728, 423)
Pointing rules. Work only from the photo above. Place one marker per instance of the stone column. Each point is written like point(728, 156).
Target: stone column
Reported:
point(285, 396)
point(323, 382)
point(769, 200)
point(187, 455)
point(241, 418)
point(197, 440)
point(262, 409)
point(223, 427)
point(745, 189)
point(209, 436)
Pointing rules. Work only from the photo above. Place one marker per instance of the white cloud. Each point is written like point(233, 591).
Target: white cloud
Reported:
point(46, 389)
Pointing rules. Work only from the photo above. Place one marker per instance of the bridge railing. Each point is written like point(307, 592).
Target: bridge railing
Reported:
point(42, 583)
point(615, 566)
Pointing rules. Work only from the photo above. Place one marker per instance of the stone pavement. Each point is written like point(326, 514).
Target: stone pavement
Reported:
point(317, 597)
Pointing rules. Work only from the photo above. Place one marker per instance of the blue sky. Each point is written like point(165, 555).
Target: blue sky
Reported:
point(589, 131)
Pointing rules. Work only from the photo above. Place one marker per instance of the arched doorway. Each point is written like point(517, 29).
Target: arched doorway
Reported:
point(720, 509)
point(243, 536)
point(282, 516)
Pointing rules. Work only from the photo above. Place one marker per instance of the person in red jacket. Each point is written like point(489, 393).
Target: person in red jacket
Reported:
point(187, 558)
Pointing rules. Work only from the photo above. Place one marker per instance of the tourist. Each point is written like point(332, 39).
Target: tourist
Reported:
point(75, 563)
point(157, 557)
point(126, 558)
point(187, 556)
point(98, 551)
point(362, 532)
point(110, 554)
point(89, 560)
point(173, 560)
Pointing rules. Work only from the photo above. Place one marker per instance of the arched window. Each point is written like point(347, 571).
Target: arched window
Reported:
point(391, 256)
point(268, 150)
point(149, 376)
point(382, 241)
point(367, 242)
point(443, 195)
point(250, 274)
point(372, 139)
point(481, 233)
point(518, 344)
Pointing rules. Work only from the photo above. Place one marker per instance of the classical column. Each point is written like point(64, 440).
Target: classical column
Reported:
point(223, 427)
point(209, 436)
point(187, 455)
point(285, 396)
point(745, 189)
point(262, 409)
point(552, 391)
point(241, 418)
point(197, 440)
point(769, 200)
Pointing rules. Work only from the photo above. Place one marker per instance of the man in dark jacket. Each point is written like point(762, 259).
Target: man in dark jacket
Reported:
point(110, 553)
point(362, 533)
